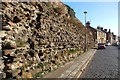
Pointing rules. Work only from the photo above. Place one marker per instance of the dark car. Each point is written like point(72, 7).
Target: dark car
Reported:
point(119, 46)
point(101, 46)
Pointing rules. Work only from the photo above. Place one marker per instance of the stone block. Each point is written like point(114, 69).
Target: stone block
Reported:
point(6, 28)
point(8, 52)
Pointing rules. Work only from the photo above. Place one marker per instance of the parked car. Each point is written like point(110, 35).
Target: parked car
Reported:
point(119, 46)
point(101, 46)
point(115, 44)
point(107, 44)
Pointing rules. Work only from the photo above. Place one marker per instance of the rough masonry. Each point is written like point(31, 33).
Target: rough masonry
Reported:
point(40, 37)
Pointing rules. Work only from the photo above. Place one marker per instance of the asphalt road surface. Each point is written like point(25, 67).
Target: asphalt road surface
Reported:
point(104, 64)
point(0, 49)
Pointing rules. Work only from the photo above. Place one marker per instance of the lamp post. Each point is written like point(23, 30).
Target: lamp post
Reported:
point(85, 12)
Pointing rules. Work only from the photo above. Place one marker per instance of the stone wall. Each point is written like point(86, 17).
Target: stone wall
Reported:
point(40, 37)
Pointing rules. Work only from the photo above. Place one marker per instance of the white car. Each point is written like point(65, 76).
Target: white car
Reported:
point(108, 44)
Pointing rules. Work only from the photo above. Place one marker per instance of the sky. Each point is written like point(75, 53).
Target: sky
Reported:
point(119, 19)
point(104, 14)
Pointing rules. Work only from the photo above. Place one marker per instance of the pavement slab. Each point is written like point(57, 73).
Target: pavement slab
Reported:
point(72, 69)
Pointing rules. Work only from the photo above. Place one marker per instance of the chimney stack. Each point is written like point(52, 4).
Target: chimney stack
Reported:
point(98, 27)
point(109, 31)
point(101, 28)
point(105, 30)
point(88, 24)
point(112, 33)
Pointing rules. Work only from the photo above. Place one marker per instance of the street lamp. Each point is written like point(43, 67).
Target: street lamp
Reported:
point(85, 12)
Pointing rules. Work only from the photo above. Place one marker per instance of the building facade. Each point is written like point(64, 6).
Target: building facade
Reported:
point(93, 30)
point(99, 34)
point(111, 38)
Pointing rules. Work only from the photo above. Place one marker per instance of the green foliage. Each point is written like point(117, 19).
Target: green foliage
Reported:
point(4, 23)
point(20, 43)
point(6, 45)
point(72, 51)
point(38, 75)
point(71, 12)
point(48, 5)
point(41, 65)
point(58, 10)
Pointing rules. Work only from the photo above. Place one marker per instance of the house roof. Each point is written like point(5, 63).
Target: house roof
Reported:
point(92, 28)
point(101, 31)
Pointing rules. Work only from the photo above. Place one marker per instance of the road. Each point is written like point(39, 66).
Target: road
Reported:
point(103, 65)
point(0, 47)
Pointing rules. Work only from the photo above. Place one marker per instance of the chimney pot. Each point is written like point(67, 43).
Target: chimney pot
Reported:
point(98, 27)
point(88, 24)
point(105, 30)
point(109, 30)
point(101, 28)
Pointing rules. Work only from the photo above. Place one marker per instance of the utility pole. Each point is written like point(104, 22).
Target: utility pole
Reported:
point(85, 12)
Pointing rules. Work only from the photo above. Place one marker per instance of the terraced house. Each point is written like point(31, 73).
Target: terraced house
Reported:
point(111, 38)
point(99, 34)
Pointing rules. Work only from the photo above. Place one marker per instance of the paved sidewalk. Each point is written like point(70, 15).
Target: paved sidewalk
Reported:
point(72, 69)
